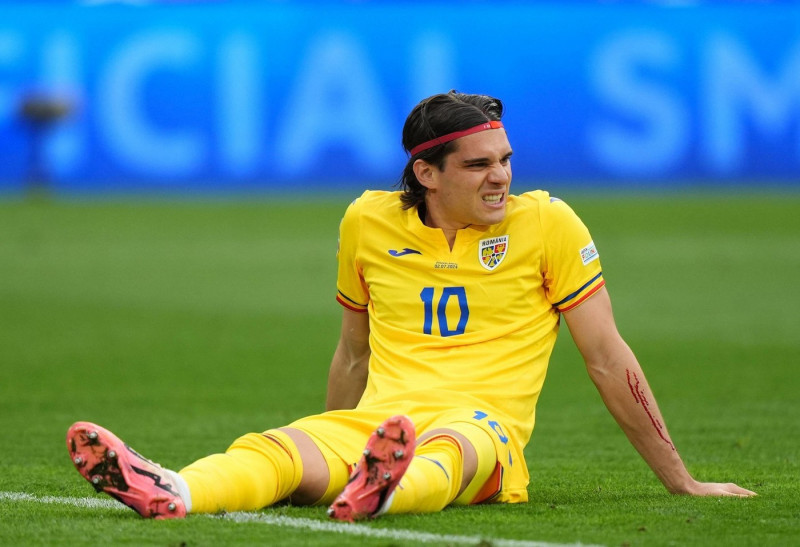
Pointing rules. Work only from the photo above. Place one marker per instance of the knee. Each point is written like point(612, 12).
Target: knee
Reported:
point(315, 474)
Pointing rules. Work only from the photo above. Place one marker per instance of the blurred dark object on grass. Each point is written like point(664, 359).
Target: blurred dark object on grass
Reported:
point(41, 113)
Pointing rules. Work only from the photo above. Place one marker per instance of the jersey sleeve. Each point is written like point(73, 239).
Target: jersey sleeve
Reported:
point(353, 293)
point(572, 263)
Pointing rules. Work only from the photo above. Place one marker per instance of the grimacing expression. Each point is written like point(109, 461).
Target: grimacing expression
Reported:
point(472, 188)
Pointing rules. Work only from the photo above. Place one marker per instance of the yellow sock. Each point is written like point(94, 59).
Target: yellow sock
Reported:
point(433, 478)
point(256, 471)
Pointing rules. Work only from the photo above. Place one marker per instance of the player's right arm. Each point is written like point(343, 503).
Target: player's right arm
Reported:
point(347, 378)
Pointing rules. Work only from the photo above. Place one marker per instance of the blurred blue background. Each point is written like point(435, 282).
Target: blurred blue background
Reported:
point(217, 97)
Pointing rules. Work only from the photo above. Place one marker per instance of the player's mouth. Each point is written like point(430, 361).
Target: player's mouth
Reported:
point(494, 199)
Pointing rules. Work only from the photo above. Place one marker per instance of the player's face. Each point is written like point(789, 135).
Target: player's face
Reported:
point(472, 188)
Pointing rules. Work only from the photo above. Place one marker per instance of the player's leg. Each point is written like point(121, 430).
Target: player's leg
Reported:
point(256, 471)
point(324, 472)
point(452, 464)
point(449, 465)
point(259, 470)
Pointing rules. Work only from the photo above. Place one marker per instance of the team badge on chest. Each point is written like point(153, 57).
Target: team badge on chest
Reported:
point(491, 252)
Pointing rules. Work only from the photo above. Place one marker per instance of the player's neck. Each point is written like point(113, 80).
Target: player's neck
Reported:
point(431, 222)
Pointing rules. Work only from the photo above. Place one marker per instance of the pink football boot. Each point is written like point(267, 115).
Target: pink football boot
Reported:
point(113, 467)
point(386, 457)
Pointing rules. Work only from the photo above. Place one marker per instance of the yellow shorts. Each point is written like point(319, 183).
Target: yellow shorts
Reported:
point(341, 435)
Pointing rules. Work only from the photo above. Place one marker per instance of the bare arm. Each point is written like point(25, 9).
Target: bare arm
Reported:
point(347, 377)
point(618, 377)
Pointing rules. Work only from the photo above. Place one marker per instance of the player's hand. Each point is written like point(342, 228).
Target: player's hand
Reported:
point(716, 489)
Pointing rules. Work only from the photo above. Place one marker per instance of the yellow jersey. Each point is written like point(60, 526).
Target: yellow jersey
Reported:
point(469, 328)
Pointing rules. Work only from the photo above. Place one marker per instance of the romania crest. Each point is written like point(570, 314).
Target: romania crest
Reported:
point(491, 252)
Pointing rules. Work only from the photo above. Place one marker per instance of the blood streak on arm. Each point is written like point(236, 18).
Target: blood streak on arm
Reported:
point(638, 396)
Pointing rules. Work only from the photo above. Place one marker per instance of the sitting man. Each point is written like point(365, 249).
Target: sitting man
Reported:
point(452, 292)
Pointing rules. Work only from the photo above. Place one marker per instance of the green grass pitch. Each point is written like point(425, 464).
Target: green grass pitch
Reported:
point(181, 325)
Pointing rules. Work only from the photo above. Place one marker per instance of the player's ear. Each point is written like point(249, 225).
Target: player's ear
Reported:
point(424, 173)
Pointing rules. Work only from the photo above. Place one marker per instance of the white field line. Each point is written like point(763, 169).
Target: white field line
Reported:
point(302, 523)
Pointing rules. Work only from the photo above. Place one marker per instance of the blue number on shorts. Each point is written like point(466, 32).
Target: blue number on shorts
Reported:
point(441, 310)
point(496, 427)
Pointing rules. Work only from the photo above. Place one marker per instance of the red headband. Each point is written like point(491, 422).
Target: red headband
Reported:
point(455, 135)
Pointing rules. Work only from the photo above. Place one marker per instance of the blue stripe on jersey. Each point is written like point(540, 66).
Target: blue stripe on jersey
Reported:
point(576, 293)
point(350, 299)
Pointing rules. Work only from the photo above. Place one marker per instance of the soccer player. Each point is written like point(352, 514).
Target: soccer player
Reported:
point(452, 291)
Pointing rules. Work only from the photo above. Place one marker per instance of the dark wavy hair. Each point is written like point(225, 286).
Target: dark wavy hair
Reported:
point(434, 117)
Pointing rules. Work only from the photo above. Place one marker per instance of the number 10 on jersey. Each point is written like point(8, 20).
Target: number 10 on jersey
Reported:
point(430, 297)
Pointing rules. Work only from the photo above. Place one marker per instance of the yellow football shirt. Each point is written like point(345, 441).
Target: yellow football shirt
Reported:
point(472, 327)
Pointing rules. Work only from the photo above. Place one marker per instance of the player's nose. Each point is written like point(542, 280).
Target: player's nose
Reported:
point(500, 174)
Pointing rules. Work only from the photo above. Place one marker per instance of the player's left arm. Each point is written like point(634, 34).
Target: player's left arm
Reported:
point(618, 377)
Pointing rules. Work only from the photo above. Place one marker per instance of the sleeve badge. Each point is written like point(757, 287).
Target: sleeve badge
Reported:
point(589, 253)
